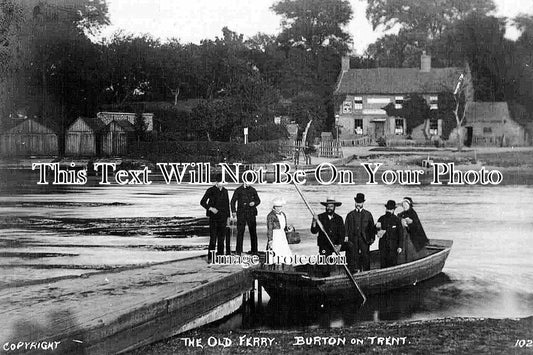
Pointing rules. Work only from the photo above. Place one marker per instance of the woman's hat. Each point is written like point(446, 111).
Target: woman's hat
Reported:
point(408, 200)
point(330, 200)
point(278, 202)
point(390, 205)
point(360, 198)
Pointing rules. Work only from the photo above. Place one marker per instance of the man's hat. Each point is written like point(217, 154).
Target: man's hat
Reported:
point(331, 200)
point(391, 205)
point(360, 198)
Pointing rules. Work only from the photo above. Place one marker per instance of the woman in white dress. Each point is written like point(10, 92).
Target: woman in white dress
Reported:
point(276, 228)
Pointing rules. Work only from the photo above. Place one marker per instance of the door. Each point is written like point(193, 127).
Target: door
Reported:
point(469, 135)
point(379, 129)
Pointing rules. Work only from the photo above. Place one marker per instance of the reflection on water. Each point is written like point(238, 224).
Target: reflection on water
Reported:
point(488, 272)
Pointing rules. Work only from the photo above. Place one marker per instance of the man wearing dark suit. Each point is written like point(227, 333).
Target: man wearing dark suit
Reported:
point(361, 231)
point(334, 227)
point(244, 206)
point(390, 236)
point(216, 204)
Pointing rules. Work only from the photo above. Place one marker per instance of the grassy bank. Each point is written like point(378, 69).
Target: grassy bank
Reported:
point(449, 335)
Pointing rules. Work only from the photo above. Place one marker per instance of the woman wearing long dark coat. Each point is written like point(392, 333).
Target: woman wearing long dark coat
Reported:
point(416, 239)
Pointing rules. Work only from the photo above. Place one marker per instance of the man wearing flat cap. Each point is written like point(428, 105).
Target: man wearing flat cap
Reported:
point(361, 232)
point(390, 236)
point(334, 227)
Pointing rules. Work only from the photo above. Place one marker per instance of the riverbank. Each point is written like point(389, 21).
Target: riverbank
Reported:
point(437, 336)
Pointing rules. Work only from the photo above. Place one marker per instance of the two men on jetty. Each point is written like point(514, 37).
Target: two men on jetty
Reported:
point(243, 206)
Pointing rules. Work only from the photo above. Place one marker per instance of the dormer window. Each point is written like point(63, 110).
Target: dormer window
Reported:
point(398, 102)
point(433, 102)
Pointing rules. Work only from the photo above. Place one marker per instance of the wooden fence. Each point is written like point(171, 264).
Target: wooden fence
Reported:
point(329, 149)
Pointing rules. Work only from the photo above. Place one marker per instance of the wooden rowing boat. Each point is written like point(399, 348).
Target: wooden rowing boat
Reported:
point(303, 281)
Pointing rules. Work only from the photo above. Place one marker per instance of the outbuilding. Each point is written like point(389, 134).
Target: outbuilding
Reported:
point(29, 137)
point(84, 137)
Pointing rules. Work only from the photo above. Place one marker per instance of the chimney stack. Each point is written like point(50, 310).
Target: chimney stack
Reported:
point(345, 63)
point(425, 62)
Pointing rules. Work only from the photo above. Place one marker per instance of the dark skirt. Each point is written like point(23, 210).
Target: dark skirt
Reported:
point(409, 252)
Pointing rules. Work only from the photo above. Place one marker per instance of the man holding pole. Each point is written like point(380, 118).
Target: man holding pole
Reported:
point(334, 227)
point(361, 231)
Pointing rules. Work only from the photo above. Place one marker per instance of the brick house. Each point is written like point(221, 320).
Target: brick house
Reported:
point(361, 94)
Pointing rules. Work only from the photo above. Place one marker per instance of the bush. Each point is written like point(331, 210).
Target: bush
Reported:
point(203, 151)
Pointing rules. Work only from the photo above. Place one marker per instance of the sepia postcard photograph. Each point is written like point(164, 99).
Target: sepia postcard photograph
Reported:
point(266, 177)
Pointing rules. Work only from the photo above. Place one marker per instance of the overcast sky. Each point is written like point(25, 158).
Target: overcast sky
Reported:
point(194, 20)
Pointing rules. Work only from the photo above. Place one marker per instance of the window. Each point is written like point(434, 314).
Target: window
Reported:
point(433, 102)
point(434, 127)
point(398, 102)
point(358, 125)
point(378, 100)
point(487, 130)
point(398, 128)
point(346, 107)
point(357, 103)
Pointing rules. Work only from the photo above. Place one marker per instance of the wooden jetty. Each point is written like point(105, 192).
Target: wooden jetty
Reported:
point(115, 311)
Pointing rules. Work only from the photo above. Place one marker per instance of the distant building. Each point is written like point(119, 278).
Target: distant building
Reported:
point(107, 117)
point(28, 137)
point(362, 94)
point(84, 137)
point(116, 137)
point(490, 124)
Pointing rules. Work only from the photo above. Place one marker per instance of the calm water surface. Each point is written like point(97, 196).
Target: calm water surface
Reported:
point(489, 272)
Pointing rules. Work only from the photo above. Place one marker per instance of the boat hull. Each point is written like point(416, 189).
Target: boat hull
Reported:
point(295, 285)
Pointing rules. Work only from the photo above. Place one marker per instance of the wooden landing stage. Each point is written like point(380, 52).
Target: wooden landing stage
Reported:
point(108, 312)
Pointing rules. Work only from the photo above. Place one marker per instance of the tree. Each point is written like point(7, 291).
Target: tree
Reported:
point(310, 24)
point(414, 109)
point(128, 67)
point(428, 17)
point(479, 40)
point(139, 125)
point(52, 74)
point(400, 50)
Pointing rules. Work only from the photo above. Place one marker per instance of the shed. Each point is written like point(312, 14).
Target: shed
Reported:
point(84, 137)
point(29, 137)
point(116, 137)
point(490, 123)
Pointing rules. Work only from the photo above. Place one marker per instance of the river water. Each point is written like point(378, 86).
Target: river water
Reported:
point(489, 272)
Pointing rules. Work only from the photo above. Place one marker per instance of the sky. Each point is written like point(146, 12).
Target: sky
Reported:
point(194, 20)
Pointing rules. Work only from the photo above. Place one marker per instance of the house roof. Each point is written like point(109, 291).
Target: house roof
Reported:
point(397, 80)
point(487, 112)
point(126, 125)
point(10, 124)
point(94, 123)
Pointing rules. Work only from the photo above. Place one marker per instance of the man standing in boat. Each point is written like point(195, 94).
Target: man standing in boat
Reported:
point(244, 206)
point(334, 227)
point(361, 232)
point(390, 236)
point(216, 204)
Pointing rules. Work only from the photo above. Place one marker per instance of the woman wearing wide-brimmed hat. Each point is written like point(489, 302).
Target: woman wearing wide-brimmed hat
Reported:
point(416, 240)
point(276, 228)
